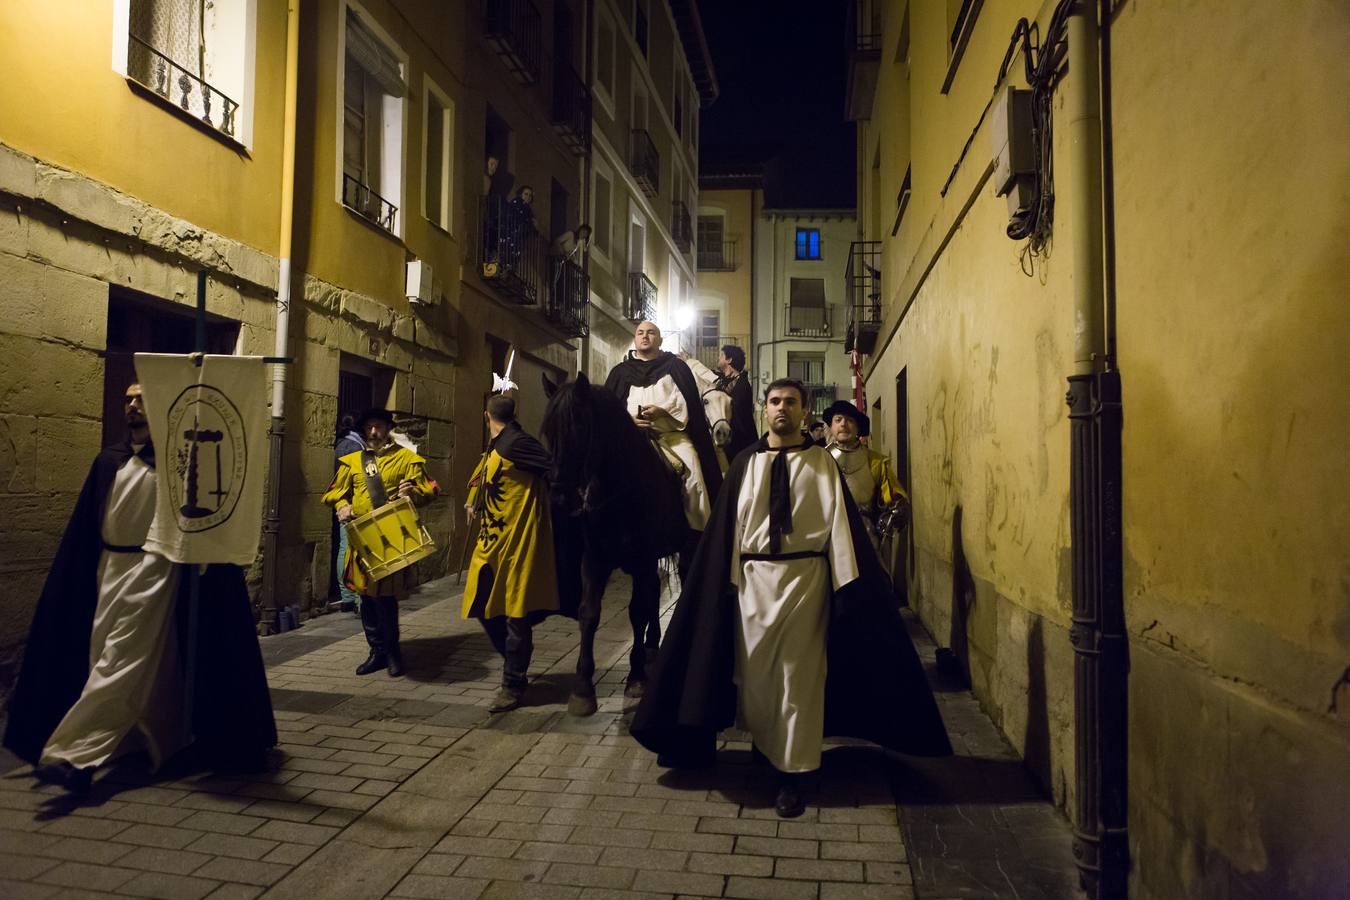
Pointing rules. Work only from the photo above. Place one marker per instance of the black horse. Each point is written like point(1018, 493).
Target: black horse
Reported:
point(620, 506)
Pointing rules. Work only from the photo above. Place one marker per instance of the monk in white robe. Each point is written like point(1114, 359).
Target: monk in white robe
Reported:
point(784, 598)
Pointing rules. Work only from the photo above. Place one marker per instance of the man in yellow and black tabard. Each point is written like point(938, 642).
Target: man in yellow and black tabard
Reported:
point(869, 475)
point(512, 581)
point(365, 481)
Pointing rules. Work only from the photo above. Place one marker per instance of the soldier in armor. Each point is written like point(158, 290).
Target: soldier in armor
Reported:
point(869, 475)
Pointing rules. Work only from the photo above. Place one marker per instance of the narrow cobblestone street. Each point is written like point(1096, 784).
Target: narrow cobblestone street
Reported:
point(409, 788)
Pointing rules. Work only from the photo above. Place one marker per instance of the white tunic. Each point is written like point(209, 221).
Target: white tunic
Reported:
point(666, 394)
point(781, 642)
point(133, 680)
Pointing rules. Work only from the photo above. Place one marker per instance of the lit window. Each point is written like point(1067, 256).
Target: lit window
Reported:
point(196, 56)
point(808, 243)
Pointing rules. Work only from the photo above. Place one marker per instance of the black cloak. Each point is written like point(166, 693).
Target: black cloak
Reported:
point(875, 689)
point(634, 372)
point(232, 720)
point(744, 431)
point(518, 446)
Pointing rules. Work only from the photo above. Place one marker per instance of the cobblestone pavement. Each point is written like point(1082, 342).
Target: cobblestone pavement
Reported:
point(409, 788)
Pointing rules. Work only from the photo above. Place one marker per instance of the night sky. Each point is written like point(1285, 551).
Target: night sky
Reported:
point(782, 68)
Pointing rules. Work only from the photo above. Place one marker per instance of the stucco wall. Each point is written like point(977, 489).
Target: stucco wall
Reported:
point(1232, 228)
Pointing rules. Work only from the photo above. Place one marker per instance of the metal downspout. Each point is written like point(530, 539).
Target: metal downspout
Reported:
point(1101, 662)
point(277, 434)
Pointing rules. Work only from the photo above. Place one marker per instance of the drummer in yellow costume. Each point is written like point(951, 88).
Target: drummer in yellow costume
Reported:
point(393, 471)
point(512, 581)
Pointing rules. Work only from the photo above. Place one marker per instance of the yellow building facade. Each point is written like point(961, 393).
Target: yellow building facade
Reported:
point(140, 146)
point(729, 205)
point(1227, 304)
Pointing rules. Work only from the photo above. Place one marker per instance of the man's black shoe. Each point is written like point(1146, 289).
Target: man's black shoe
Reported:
point(77, 781)
point(789, 804)
point(374, 663)
point(395, 664)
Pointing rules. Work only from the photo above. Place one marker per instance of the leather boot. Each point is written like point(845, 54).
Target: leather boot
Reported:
point(370, 624)
point(389, 635)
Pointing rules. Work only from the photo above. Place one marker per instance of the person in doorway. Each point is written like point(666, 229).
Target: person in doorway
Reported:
point(349, 440)
point(812, 647)
point(869, 475)
point(512, 581)
point(365, 481)
point(103, 669)
point(663, 399)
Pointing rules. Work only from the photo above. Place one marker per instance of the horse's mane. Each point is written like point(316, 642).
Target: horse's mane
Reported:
point(597, 448)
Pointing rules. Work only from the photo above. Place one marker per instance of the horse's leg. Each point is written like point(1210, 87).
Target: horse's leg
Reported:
point(582, 702)
point(642, 610)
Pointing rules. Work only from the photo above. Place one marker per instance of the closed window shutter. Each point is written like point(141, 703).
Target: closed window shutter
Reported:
point(371, 55)
point(807, 304)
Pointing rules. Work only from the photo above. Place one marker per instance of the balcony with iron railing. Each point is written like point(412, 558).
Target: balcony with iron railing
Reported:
point(571, 109)
point(367, 204)
point(640, 302)
point(681, 226)
point(717, 256)
point(820, 396)
point(511, 252)
point(514, 28)
point(186, 91)
point(645, 162)
point(802, 321)
point(568, 295)
point(862, 292)
point(864, 58)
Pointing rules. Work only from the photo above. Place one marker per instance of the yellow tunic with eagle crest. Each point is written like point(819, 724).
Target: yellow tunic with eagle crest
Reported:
point(511, 572)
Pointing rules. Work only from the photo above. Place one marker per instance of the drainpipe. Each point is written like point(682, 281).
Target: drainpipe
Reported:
point(277, 434)
point(1101, 661)
point(584, 363)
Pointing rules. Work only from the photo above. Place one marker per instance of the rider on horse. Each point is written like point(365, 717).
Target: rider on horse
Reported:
point(663, 399)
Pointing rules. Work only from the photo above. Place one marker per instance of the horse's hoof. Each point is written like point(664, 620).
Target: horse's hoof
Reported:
point(635, 689)
point(578, 705)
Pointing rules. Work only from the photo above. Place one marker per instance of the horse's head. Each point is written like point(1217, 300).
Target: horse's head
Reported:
point(717, 406)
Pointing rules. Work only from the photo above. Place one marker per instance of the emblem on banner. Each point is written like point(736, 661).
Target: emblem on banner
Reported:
point(210, 457)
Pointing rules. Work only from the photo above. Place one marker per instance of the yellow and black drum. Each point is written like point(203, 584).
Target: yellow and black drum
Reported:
point(389, 539)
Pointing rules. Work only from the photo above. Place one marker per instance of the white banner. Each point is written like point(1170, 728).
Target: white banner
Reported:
point(209, 426)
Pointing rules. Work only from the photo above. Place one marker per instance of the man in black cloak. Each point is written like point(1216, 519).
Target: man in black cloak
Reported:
point(733, 380)
point(663, 398)
point(66, 683)
point(786, 616)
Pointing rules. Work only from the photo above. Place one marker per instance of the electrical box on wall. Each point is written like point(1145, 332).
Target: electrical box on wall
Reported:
point(421, 285)
point(1013, 137)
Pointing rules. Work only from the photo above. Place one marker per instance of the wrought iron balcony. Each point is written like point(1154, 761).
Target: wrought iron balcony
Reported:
point(157, 72)
point(568, 296)
point(864, 58)
point(571, 109)
point(515, 30)
point(511, 252)
point(363, 201)
point(645, 162)
point(810, 321)
point(820, 396)
point(640, 303)
point(681, 227)
point(717, 256)
point(862, 288)
point(708, 354)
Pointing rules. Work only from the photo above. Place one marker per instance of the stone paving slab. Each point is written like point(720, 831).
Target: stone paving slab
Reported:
point(410, 788)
